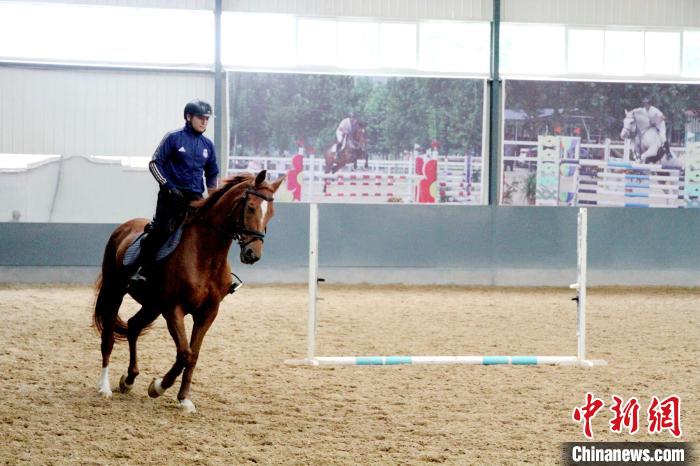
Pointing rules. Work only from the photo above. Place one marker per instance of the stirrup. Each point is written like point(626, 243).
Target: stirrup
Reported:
point(138, 277)
point(237, 283)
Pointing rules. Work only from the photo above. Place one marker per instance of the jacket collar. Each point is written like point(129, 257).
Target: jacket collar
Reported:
point(189, 130)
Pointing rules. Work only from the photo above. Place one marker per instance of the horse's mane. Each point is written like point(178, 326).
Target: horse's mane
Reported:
point(204, 205)
point(639, 114)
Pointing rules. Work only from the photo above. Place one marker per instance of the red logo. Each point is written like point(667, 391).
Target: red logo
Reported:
point(586, 412)
point(661, 415)
point(665, 415)
point(626, 417)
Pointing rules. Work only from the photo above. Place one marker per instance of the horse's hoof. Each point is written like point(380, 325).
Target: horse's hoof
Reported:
point(105, 393)
point(187, 406)
point(155, 389)
point(123, 386)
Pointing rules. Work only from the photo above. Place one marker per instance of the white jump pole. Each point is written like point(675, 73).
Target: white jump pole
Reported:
point(579, 286)
point(313, 279)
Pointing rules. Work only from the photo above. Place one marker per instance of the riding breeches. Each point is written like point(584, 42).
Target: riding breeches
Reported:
point(340, 136)
point(169, 214)
point(661, 127)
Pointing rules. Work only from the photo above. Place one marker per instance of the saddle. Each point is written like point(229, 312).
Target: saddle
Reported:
point(347, 142)
point(133, 252)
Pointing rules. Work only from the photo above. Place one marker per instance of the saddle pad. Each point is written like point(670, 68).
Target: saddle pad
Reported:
point(133, 251)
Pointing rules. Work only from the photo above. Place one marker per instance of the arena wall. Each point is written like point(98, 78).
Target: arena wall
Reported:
point(411, 245)
point(76, 111)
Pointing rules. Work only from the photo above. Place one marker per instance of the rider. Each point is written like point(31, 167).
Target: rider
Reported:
point(656, 119)
point(345, 128)
point(178, 165)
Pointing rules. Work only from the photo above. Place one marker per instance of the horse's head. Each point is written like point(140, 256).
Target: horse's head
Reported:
point(359, 136)
point(257, 208)
point(241, 209)
point(629, 125)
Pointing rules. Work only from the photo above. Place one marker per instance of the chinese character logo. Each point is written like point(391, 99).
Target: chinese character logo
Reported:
point(661, 415)
point(586, 412)
point(665, 415)
point(626, 417)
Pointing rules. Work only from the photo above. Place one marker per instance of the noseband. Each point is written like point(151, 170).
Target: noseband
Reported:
point(635, 128)
point(239, 229)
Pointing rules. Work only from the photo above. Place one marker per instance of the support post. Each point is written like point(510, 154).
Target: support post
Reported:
point(581, 271)
point(313, 278)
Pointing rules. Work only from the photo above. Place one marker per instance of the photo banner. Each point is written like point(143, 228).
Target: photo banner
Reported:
point(575, 143)
point(361, 139)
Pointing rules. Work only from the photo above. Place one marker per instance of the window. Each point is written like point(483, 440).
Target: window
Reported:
point(358, 44)
point(105, 34)
point(316, 42)
point(397, 45)
point(624, 53)
point(286, 41)
point(454, 47)
point(662, 53)
point(691, 53)
point(252, 39)
point(532, 49)
point(586, 51)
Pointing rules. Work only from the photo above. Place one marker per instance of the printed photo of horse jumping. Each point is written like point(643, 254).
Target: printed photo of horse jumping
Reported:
point(362, 139)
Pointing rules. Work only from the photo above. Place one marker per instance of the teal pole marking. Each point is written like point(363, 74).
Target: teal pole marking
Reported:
point(523, 360)
point(369, 361)
point(492, 360)
point(398, 360)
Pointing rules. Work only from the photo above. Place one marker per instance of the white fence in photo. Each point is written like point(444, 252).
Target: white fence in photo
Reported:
point(457, 179)
point(565, 177)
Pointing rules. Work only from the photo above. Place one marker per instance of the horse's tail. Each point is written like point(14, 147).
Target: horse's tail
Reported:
point(109, 298)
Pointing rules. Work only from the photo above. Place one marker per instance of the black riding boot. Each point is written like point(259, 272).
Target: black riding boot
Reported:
point(338, 146)
point(146, 259)
point(140, 276)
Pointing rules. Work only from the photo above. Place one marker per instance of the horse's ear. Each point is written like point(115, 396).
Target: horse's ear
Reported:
point(260, 179)
point(626, 112)
point(276, 184)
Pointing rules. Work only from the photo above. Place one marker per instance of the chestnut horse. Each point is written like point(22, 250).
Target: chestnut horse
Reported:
point(192, 280)
point(355, 148)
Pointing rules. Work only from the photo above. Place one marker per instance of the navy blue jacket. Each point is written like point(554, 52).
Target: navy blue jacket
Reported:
point(180, 160)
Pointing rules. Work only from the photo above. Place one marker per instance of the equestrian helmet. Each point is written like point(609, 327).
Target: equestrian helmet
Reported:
point(198, 107)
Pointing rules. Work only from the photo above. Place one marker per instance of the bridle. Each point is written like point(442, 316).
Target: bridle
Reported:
point(239, 230)
point(636, 133)
point(633, 131)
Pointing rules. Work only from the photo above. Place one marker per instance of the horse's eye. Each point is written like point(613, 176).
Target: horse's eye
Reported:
point(251, 210)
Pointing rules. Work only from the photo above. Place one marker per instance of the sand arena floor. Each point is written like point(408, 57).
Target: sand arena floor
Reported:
point(252, 408)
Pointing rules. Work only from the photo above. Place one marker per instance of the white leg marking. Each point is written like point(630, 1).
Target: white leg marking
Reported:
point(263, 210)
point(187, 406)
point(105, 390)
point(158, 387)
